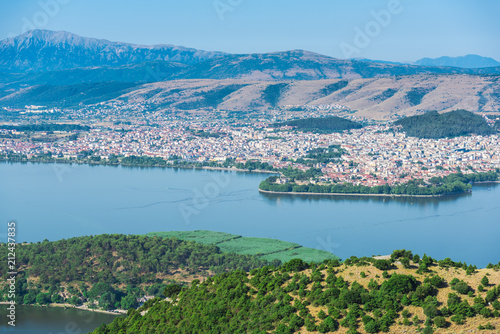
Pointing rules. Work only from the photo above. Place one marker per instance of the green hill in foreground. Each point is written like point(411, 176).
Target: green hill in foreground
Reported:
point(110, 271)
point(267, 249)
point(399, 294)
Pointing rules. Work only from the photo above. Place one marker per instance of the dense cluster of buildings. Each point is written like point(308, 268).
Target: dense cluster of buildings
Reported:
point(375, 155)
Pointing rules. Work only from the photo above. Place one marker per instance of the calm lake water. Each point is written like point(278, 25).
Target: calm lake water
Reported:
point(42, 320)
point(52, 202)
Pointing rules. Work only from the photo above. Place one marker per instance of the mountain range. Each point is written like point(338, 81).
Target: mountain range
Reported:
point(464, 62)
point(468, 61)
point(54, 68)
point(41, 51)
point(44, 50)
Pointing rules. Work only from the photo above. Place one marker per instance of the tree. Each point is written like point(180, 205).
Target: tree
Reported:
point(485, 281)
point(399, 284)
point(372, 327)
point(283, 329)
point(382, 264)
point(486, 312)
point(74, 300)
point(43, 298)
point(30, 297)
point(431, 311)
point(128, 302)
point(460, 287)
point(172, 290)
point(458, 319)
point(295, 265)
point(107, 301)
point(440, 321)
point(328, 325)
point(470, 270)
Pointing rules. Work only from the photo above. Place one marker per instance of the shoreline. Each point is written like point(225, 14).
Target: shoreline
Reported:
point(353, 194)
point(486, 182)
point(250, 171)
point(236, 169)
point(229, 169)
point(82, 308)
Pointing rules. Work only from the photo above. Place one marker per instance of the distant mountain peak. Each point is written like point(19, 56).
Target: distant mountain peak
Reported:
point(45, 50)
point(56, 37)
point(467, 61)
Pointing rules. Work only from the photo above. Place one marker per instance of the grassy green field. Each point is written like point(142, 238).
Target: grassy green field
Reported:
point(200, 236)
point(268, 249)
point(255, 246)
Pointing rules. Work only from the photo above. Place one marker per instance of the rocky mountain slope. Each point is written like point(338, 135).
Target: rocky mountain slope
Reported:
point(44, 50)
point(372, 98)
point(376, 98)
point(40, 51)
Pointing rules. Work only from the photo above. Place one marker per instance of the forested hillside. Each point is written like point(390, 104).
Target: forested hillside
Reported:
point(400, 294)
point(106, 270)
point(437, 186)
point(451, 124)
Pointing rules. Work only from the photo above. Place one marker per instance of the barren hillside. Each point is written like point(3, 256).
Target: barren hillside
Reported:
point(374, 98)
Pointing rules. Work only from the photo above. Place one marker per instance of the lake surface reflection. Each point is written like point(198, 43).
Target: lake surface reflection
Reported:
point(62, 201)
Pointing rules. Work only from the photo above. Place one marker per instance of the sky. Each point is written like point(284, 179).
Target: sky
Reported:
point(393, 30)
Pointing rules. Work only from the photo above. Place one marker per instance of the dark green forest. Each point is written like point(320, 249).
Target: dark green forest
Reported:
point(70, 96)
point(87, 268)
point(272, 93)
point(332, 88)
point(47, 127)
point(286, 299)
point(451, 124)
point(386, 94)
point(321, 125)
point(416, 94)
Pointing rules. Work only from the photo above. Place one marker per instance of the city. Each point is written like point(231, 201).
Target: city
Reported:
point(374, 155)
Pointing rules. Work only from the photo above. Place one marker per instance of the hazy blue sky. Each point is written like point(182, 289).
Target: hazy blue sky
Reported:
point(415, 28)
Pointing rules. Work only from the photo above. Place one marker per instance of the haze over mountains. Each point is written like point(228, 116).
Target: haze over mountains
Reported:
point(47, 67)
point(39, 51)
point(468, 61)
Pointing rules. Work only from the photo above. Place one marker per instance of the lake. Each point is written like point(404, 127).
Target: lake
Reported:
point(44, 320)
point(52, 201)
